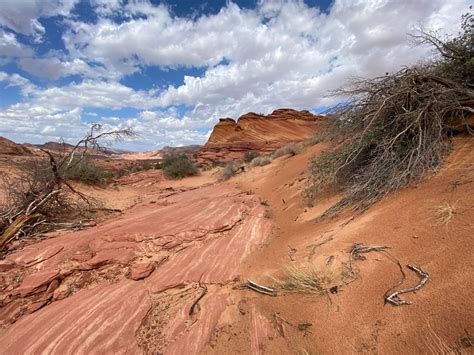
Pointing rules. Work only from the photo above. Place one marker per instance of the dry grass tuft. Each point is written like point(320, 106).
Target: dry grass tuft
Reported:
point(305, 278)
point(289, 149)
point(260, 161)
point(445, 212)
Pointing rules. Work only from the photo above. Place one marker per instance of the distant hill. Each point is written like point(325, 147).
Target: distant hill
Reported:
point(8, 147)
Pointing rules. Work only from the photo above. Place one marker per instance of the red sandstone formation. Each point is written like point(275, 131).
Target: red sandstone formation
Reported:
point(252, 132)
point(7, 147)
point(83, 292)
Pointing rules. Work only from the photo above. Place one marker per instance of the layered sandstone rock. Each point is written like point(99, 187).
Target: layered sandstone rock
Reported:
point(253, 132)
point(128, 285)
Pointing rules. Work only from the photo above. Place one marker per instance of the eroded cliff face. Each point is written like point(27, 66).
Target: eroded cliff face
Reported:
point(230, 139)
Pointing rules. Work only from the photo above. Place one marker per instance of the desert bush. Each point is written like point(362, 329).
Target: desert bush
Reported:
point(219, 163)
point(230, 169)
point(207, 167)
point(289, 149)
point(456, 54)
point(315, 139)
point(178, 167)
point(250, 155)
point(260, 161)
point(86, 172)
point(392, 129)
point(395, 128)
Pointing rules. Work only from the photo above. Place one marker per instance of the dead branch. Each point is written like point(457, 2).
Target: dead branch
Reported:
point(14, 228)
point(358, 249)
point(393, 297)
point(42, 196)
point(259, 288)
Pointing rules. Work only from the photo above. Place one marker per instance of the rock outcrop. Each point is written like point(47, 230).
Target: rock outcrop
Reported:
point(128, 285)
point(253, 132)
point(7, 147)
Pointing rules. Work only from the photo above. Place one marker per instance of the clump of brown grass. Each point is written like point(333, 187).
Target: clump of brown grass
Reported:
point(305, 278)
point(230, 169)
point(445, 212)
point(260, 161)
point(291, 149)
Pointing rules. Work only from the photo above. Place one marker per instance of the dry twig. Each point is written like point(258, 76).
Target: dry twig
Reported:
point(259, 288)
point(393, 297)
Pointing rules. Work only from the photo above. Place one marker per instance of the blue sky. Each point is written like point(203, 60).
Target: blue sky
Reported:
point(171, 69)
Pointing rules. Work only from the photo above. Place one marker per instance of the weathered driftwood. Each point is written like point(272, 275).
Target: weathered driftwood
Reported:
point(393, 297)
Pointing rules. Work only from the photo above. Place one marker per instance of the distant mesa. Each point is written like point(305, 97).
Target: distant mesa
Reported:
point(230, 139)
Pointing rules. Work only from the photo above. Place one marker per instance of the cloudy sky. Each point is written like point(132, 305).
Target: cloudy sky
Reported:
point(171, 69)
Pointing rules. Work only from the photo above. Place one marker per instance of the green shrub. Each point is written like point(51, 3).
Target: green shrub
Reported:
point(456, 54)
point(86, 172)
point(250, 155)
point(260, 161)
point(178, 167)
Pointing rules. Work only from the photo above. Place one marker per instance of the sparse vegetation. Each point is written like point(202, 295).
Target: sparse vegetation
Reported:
point(289, 149)
point(250, 155)
point(394, 128)
point(41, 196)
point(230, 169)
point(456, 55)
point(305, 278)
point(315, 139)
point(178, 167)
point(87, 172)
point(445, 213)
point(260, 161)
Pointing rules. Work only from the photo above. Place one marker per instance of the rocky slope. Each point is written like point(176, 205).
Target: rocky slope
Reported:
point(7, 147)
point(253, 132)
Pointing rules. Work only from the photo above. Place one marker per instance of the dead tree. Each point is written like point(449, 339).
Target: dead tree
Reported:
point(36, 197)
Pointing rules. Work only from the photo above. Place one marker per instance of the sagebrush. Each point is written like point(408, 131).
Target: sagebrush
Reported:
point(178, 167)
